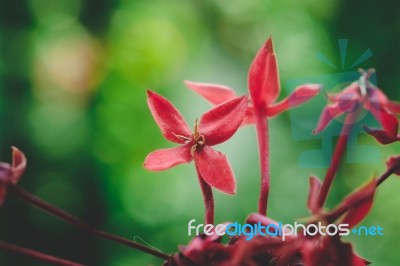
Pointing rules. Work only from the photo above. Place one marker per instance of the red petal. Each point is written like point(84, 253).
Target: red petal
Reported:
point(166, 158)
point(353, 88)
point(263, 77)
point(300, 95)
point(214, 93)
point(394, 161)
point(18, 164)
point(254, 218)
point(5, 172)
point(167, 118)
point(382, 136)
point(249, 116)
point(328, 114)
point(312, 202)
point(388, 121)
point(377, 97)
point(221, 122)
point(214, 168)
point(359, 204)
point(393, 107)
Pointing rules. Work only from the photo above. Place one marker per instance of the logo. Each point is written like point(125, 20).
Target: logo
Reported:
point(280, 230)
point(303, 123)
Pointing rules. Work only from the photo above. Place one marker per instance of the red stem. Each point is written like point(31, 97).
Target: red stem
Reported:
point(43, 205)
point(208, 199)
point(263, 148)
point(387, 173)
point(340, 148)
point(36, 255)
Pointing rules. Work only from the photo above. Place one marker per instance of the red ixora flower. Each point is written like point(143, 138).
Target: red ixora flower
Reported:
point(215, 127)
point(364, 93)
point(11, 173)
point(296, 250)
point(264, 87)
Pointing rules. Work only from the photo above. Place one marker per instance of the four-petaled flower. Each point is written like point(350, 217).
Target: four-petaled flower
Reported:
point(364, 93)
point(11, 173)
point(264, 88)
point(214, 127)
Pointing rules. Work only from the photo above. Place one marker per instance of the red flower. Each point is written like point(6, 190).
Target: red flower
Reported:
point(297, 249)
point(363, 93)
point(10, 174)
point(215, 127)
point(264, 87)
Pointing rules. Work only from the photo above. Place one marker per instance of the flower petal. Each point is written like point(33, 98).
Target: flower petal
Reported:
point(312, 202)
point(214, 93)
point(376, 97)
point(382, 136)
point(5, 172)
point(254, 218)
point(167, 118)
point(353, 88)
point(300, 95)
point(332, 111)
point(221, 122)
point(215, 169)
point(166, 158)
point(359, 204)
point(263, 77)
point(249, 116)
point(388, 121)
point(18, 164)
point(393, 107)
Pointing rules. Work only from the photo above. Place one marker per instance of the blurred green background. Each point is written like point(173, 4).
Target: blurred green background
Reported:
point(73, 80)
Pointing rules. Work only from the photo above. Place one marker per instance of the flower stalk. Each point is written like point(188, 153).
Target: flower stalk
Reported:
point(63, 215)
point(208, 199)
point(36, 255)
point(393, 168)
point(338, 153)
point(263, 146)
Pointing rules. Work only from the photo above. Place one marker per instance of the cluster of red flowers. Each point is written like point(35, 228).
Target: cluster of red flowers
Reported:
point(221, 122)
point(216, 126)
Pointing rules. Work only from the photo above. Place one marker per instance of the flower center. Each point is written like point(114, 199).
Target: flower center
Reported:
point(198, 140)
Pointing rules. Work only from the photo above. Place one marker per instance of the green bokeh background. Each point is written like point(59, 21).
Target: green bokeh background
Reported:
point(74, 75)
